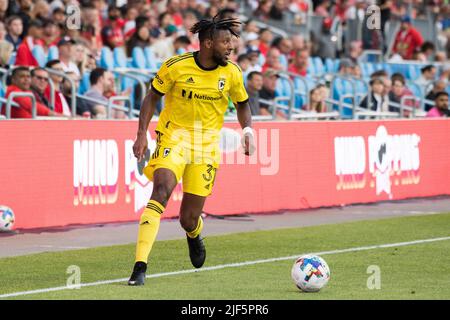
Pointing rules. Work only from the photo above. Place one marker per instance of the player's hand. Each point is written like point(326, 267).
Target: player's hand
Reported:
point(140, 146)
point(248, 144)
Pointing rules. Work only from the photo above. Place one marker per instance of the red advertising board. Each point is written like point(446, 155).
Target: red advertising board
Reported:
point(56, 173)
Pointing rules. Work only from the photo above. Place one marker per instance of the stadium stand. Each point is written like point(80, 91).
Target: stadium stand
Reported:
point(332, 33)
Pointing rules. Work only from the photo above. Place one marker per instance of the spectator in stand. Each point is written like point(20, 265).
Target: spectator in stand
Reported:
point(277, 10)
point(59, 15)
point(66, 48)
point(131, 14)
point(181, 44)
point(377, 99)
point(346, 67)
point(357, 73)
point(40, 10)
point(20, 82)
point(24, 13)
point(66, 89)
point(317, 100)
point(300, 64)
point(427, 52)
point(398, 91)
point(34, 37)
point(408, 39)
point(100, 80)
point(14, 29)
point(285, 47)
point(244, 62)
point(51, 33)
point(437, 87)
point(298, 43)
point(39, 82)
point(91, 27)
point(355, 51)
point(112, 34)
point(428, 75)
point(6, 50)
point(4, 4)
point(253, 87)
point(61, 105)
point(265, 39)
point(173, 8)
point(273, 60)
point(141, 37)
point(254, 54)
point(268, 92)
point(263, 10)
point(440, 106)
point(250, 27)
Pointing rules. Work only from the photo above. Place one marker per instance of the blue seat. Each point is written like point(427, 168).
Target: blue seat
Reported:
point(342, 87)
point(413, 71)
point(85, 84)
point(150, 59)
point(416, 89)
point(329, 65)
point(53, 53)
point(311, 70)
point(303, 90)
point(120, 57)
point(319, 66)
point(138, 58)
point(283, 61)
point(39, 54)
point(106, 58)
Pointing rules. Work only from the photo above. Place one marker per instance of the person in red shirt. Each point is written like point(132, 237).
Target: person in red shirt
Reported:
point(265, 39)
point(21, 82)
point(24, 52)
point(408, 40)
point(300, 64)
point(273, 60)
point(61, 105)
point(112, 34)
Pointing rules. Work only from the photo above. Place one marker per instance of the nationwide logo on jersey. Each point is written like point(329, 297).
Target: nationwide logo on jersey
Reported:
point(221, 84)
point(190, 80)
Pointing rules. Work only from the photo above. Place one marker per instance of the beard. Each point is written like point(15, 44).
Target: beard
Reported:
point(220, 60)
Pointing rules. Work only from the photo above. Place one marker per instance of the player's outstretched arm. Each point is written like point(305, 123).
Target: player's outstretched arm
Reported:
point(245, 119)
point(148, 108)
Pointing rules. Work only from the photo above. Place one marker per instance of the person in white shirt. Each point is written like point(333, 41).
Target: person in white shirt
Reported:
point(66, 55)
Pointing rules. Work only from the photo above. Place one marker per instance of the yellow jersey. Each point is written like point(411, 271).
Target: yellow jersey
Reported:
point(196, 99)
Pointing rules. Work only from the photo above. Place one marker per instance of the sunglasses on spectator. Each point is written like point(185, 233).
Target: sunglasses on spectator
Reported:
point(41, 78)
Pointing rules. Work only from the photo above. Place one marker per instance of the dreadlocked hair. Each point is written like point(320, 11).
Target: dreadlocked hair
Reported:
point(207, 28)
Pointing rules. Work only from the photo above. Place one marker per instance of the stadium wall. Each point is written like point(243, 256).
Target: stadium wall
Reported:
point(58, 173)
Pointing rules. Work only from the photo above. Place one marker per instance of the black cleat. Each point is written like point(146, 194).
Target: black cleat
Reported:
point(197, 251)
point(138, 276)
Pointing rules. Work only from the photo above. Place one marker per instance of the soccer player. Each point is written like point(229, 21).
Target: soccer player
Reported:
point(197, 87)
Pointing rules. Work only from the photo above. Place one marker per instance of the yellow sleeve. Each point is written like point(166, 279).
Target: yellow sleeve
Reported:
point(163, 81)
point(238, 93)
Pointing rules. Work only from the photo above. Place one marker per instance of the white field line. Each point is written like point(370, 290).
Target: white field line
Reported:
point(229, 265)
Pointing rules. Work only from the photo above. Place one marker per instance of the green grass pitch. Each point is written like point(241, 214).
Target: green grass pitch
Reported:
point(418, 271)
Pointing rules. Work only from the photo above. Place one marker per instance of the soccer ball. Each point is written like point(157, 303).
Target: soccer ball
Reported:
point(310, 273)
point(6, 218)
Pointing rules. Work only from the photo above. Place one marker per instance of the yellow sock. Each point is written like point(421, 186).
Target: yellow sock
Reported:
point(148, 229)
point(194, 233)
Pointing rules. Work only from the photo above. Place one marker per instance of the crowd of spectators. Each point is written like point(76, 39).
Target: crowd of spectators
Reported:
point(164, 26)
